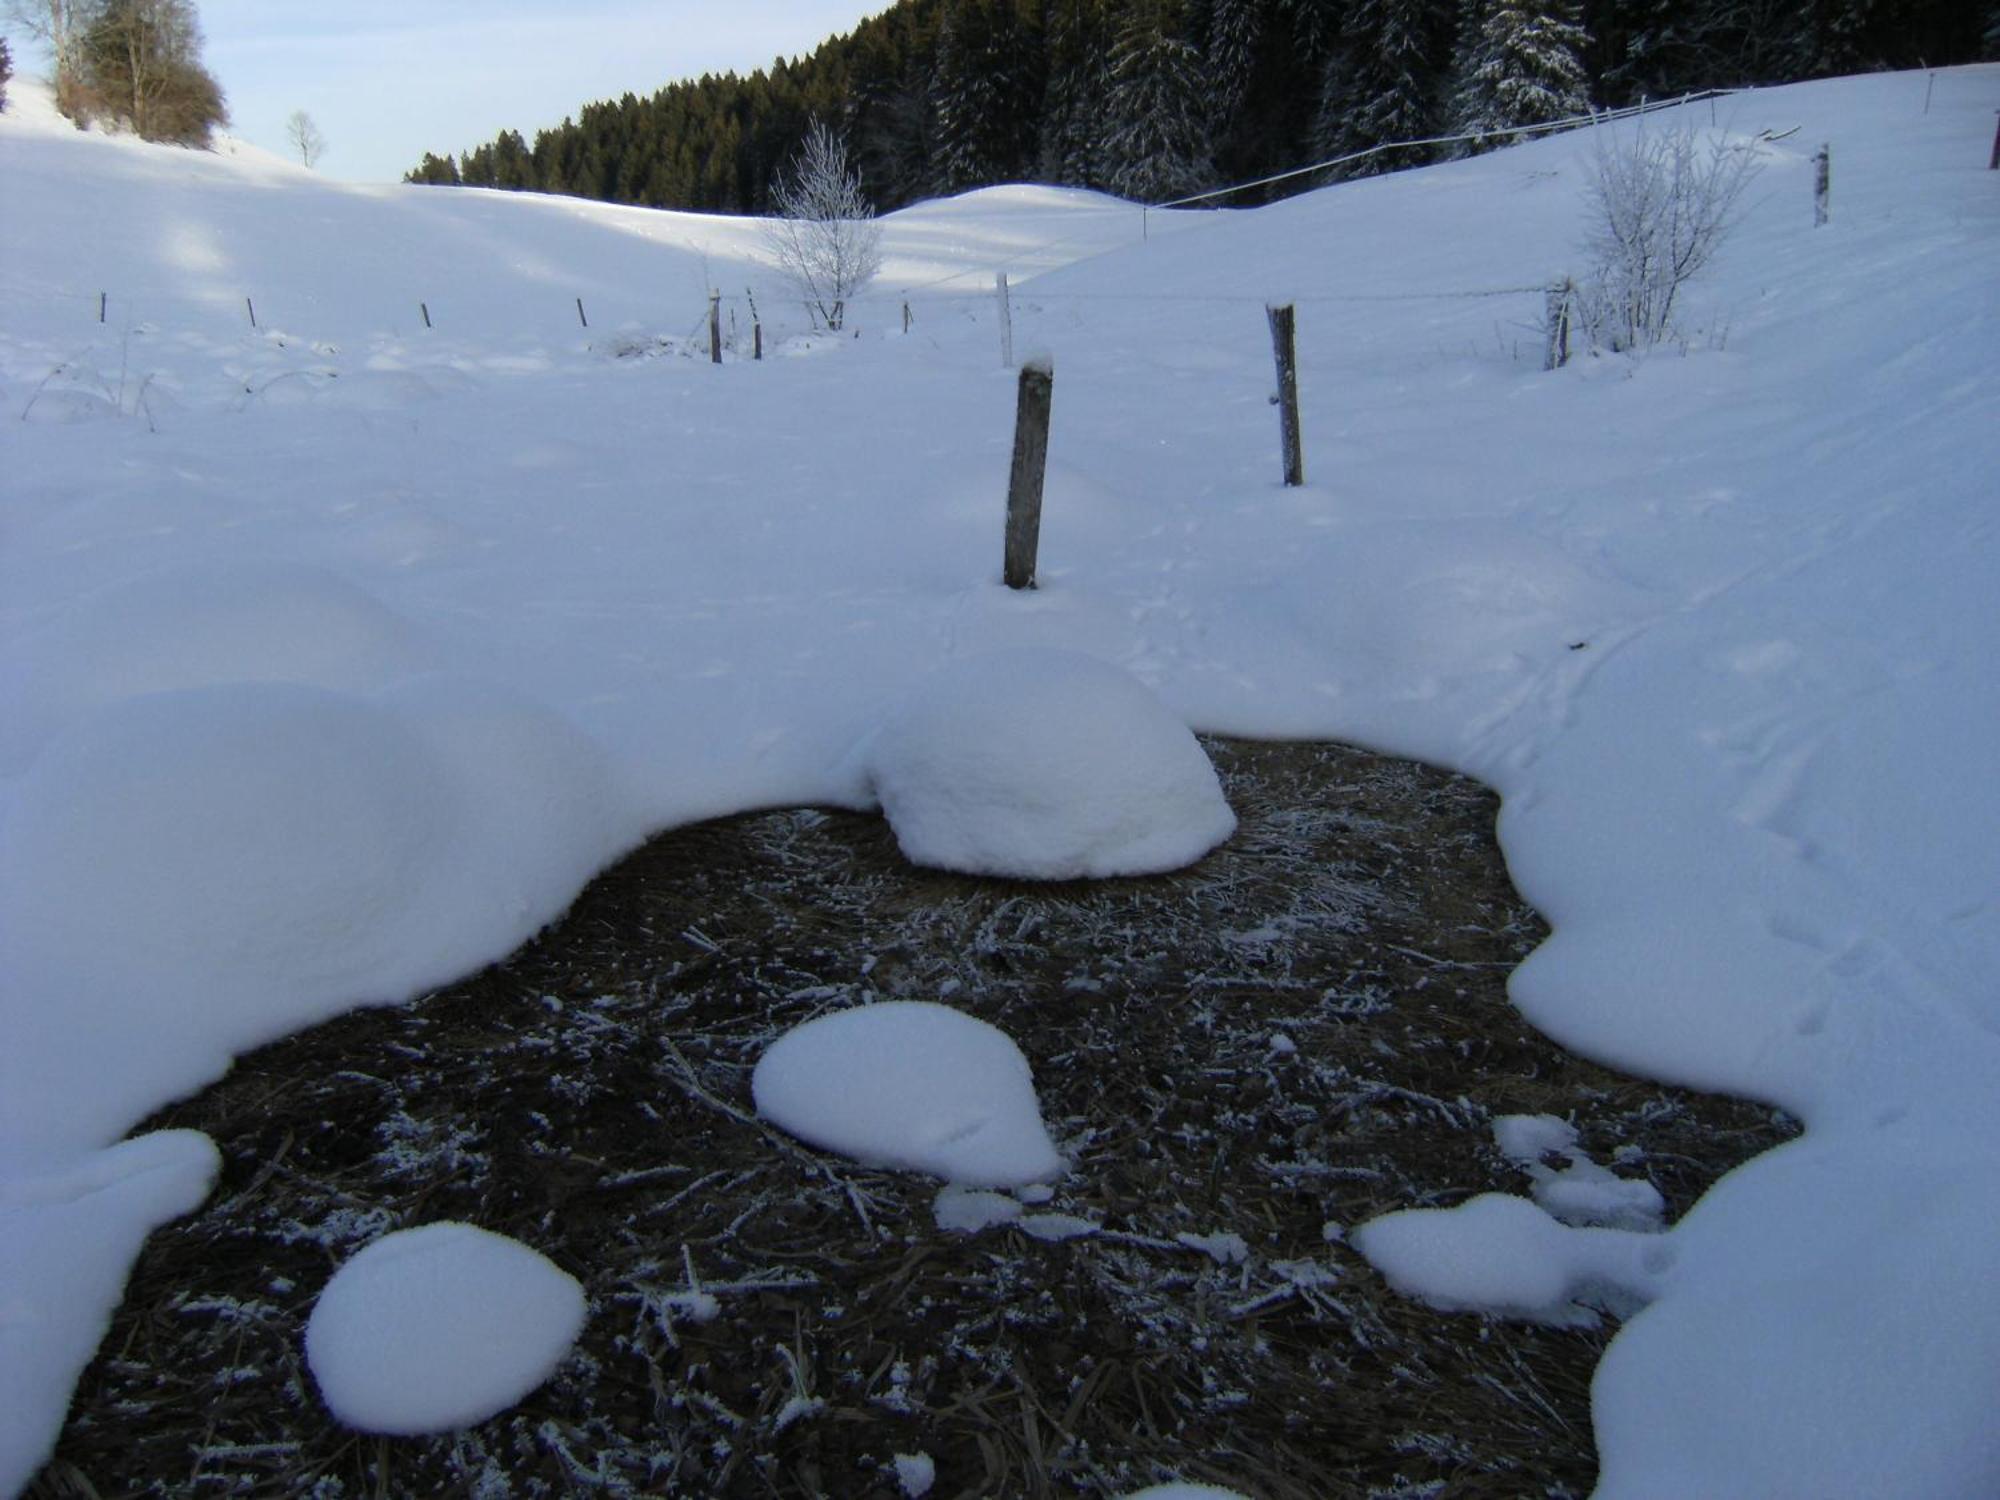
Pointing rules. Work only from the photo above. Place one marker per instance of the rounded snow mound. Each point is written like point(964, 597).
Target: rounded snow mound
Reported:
point(1045, 765)
point(436, 1328)
point(199, 626)
point(910, 1085)
point(190, 874)
point(259, 834)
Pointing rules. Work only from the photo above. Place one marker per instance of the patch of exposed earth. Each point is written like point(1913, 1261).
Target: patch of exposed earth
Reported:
point(1242, 1060)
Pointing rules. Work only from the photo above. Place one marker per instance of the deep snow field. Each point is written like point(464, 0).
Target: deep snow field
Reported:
point(340, 651)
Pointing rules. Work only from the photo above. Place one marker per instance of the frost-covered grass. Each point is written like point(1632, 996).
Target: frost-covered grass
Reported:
point(1243, 1060)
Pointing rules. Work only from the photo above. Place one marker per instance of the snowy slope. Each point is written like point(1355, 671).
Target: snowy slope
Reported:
point(1714, 623)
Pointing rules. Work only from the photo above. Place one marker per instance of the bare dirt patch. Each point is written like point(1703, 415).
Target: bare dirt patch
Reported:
point(1307, 1029)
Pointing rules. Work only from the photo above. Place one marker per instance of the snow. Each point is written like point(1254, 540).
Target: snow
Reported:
point(1501, 1254)
point(1046, 765)
point(1716, 623)
point(960, 1210)
point(192, 872)
point(915, 1474)
point(439, 1327)
point(1181, 1489)
point(1579, 1191)
point(910, 1085)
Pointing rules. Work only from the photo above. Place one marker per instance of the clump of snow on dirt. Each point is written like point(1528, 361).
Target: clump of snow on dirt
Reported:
point(263, 855)
point(1503, 1255)
point(1181, 1489)
point(436, 1328)
point(916, 1473)
point(1046, 765)
point(960, 1210)
point(1579, 1191)
point(912, 1085)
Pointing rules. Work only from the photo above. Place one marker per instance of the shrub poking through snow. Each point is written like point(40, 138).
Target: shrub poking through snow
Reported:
point(1045, 765)
point(437, 1328)
point(912, 1085)
point(1662, 206)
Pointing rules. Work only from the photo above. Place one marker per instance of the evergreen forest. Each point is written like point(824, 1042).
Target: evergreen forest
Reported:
point(1156, 99)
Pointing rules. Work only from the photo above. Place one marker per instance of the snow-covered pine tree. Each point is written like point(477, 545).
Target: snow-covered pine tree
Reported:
point(1313, 25)
point(984, 95)
point(1078, 37)
point(1520, 63)
point(1232, 35)
point(1384, 81)
point(1156, 144)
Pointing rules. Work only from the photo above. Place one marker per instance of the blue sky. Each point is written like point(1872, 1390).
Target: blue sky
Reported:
point(386, 82)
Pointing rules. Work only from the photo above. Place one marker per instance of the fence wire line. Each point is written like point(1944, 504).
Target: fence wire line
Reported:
point(1512, 132)
point(126, 311)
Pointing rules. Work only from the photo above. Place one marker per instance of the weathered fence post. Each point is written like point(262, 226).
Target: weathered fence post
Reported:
point(425, 309)
point(1822, 184)
point(1561, 308)
point(1006, 320)
point(715, 328)
point(756, 339)
point(1284, 345)
point(1024, 483)
point(251, 307)
point(1994, 164)
point(102, 299)
point(579, 313)
point(906, 317)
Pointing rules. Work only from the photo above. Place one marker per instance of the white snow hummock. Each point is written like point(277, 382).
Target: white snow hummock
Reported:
point(1181, 1489)
point(1045, 765)
point(911, 1085)
point(263, 855)
point(436, 1328)
point(1500, 1254)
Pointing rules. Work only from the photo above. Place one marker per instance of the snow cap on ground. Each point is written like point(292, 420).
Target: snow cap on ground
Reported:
point(439, 1327)
point(911, 1085)
point(1504, 1255)
point(187, 874)
point(1046, 765)
point(1181, 1489)
point(68, 1238)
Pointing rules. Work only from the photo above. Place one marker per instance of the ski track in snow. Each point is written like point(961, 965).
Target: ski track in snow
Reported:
point(1717, 625)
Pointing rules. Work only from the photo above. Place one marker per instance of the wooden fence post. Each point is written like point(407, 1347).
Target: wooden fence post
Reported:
point(1024, 483)
point(1822, 184)
point(715, 328)
point(1006, 320)
point(425, 309)
point(252, 308)
point(906, 317)
point(102, 299)
point(579, 313)
point(1284, 345)
point(756, 339)
point(1994, 164)
point(1561, 308)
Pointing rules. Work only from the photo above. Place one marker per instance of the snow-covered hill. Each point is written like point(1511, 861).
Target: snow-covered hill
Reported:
point(336, 651)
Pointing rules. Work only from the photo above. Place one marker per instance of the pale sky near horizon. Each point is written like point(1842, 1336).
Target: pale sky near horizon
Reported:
point(386, 82)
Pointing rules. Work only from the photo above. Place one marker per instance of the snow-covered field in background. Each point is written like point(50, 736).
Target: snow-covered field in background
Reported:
point(338, 651)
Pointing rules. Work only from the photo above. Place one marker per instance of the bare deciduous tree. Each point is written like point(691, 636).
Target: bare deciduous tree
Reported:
point(1662, 206)
point(60, 26)
point(825, 238)
point(305, 137)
